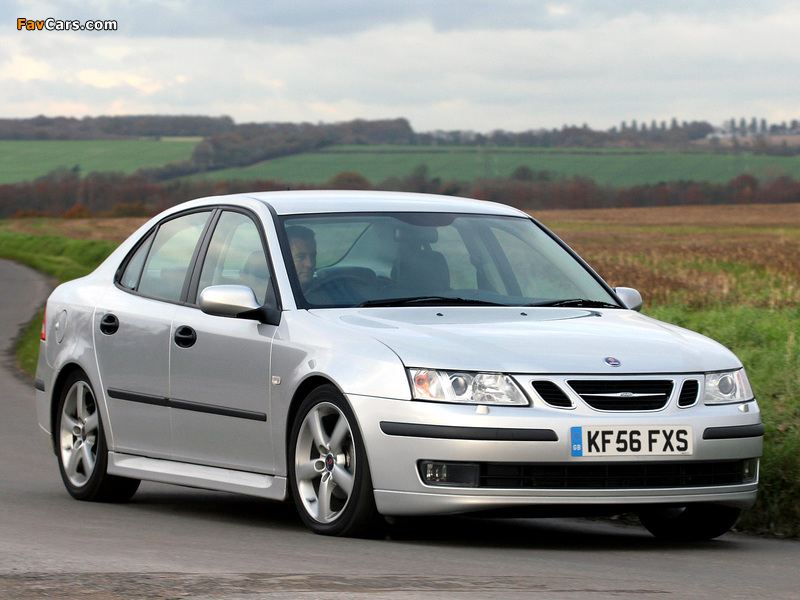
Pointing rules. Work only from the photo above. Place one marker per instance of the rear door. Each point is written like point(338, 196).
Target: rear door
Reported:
point(133, 332)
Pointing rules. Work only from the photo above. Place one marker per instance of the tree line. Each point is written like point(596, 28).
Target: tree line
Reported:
point(63, 193)
point(114, 127)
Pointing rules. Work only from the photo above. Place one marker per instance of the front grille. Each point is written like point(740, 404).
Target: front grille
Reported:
point(607, 476)
point(552, 394)
point(623, 394)
point(688, 393)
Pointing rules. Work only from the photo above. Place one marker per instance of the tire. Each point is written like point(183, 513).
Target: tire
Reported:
point(329, 474)
point(81, 446)
point(692, 523)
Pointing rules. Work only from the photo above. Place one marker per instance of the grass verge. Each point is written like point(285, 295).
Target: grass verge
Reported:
point(60, 257)
point(767, 342)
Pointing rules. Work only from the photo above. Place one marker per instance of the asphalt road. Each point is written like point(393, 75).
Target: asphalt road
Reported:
point(172, 542)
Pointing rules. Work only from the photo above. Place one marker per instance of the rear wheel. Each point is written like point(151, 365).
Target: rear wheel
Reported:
point(328, 469)
point(695, 522)
point(82, 451)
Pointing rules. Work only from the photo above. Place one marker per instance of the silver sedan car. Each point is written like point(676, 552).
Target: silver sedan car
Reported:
point(372, 354)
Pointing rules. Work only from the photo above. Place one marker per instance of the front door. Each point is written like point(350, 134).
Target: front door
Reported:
point(219, 366)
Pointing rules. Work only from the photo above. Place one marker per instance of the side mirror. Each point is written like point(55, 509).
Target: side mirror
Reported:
point(237, 301)
point(630, 297)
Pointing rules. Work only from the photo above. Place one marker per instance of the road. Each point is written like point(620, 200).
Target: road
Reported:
point(172, 542)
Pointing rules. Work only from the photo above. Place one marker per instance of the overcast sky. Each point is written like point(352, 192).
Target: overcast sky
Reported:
point(442, 64)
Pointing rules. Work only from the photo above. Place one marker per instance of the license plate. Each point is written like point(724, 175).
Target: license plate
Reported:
point(631, 441)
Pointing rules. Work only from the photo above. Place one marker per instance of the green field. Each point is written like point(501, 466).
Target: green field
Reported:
point(611, 167)
point(26, 160)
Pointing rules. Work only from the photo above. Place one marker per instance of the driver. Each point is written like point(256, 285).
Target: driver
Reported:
point(303, 246)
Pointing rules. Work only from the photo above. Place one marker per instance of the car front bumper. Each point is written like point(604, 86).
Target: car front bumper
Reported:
point(531, 450)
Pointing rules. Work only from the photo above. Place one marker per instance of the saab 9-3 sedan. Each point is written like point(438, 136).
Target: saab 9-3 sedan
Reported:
point(375, 354)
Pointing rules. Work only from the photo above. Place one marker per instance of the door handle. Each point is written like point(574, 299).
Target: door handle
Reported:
point(185, 336)
point(109, 324)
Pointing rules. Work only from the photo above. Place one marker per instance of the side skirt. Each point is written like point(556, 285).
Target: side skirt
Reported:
point(198, 476)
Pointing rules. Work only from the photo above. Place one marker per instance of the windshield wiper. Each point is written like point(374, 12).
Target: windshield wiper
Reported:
point(577, 303)
point(426, 301)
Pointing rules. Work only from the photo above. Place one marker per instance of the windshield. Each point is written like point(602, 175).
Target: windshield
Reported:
point(391, 259)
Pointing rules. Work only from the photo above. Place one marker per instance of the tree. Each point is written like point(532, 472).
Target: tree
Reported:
point(349, 180)
point(522, 173)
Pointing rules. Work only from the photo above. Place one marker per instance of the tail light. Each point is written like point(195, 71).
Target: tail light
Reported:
point(43, 337)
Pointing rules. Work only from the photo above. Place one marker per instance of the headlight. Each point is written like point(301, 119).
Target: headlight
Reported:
point(466, 388)
point(727, 388)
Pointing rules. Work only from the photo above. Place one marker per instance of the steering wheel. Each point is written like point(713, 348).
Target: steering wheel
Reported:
point(340, 288)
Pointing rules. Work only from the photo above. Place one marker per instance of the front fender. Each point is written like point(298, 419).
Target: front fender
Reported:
point(355, 363)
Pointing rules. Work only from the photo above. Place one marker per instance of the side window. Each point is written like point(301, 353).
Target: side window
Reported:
point(452, 247)
point(133, 271)
point(236, 256)
point(170, 255)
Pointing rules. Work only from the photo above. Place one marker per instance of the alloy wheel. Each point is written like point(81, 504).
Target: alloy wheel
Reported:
point(78, 434)
point(324, 462)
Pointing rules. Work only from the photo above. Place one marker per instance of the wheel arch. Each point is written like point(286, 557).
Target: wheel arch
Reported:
point(55, 393)
point(304, 389)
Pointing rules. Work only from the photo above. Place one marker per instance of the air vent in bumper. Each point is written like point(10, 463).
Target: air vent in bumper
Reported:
point(616, 475)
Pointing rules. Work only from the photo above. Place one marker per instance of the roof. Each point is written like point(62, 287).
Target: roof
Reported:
point(316, 201)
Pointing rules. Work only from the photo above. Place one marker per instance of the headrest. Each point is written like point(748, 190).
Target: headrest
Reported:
point(404, 234)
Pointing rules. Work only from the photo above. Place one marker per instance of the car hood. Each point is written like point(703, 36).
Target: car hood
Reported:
point(534, 340)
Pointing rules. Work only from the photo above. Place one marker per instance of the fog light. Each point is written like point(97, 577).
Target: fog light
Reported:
point(750, 470)
point(453, 474)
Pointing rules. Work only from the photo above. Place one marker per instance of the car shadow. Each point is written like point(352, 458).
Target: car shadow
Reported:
point(551, 533)
point(215, 506)
point(567, 534)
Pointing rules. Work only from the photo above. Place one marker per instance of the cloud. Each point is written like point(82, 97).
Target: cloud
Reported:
point(444, 64)
point(106, 80)
point(24, 68)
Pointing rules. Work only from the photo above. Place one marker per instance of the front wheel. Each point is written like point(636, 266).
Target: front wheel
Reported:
point(328, 469)
point(695, 522)
point(82, 451)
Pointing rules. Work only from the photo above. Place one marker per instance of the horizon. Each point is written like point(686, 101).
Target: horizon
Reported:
point(753, 125)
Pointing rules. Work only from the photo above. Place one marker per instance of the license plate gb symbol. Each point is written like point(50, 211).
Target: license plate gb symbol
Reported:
point(577, 441)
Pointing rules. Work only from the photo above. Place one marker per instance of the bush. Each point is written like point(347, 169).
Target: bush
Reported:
point(79, 211)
